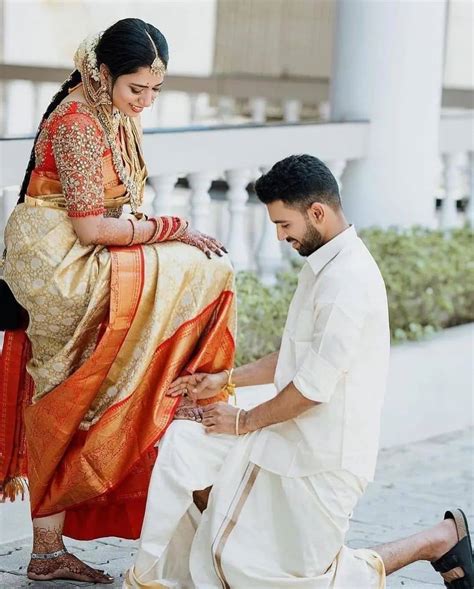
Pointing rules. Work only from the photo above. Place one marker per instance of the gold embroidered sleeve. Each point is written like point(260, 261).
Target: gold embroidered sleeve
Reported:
point(78, 148)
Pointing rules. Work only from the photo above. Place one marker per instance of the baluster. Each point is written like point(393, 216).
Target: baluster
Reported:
point(4, 105)
point(163, 186)
point(9, 198)
point(292, 110)
point(193, 107)
point(337, 168)
point(470, 204)
point(258, 108)
point(324, 110)
point(269, 255)
point(452, 177)
point(37, 109)
point(226, 107)
point(238, 235)
point(200, 183)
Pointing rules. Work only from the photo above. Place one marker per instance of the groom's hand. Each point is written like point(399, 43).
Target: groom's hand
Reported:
point(198, 386)
point(219, 418)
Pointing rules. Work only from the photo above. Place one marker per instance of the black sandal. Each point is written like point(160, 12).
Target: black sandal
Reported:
point(460, 555)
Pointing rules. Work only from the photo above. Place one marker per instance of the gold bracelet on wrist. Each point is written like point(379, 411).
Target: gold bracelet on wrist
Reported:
point(237, 417)
point(230, 386)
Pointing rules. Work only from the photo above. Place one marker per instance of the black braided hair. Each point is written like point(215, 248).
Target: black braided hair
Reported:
point(73, 80)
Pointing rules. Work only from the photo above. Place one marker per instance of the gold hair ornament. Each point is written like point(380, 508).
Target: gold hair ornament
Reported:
point(157, 67)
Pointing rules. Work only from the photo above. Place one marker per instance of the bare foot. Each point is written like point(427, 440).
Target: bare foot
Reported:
point(66, 566)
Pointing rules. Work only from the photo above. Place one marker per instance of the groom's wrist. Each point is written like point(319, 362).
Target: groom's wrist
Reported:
point(245, 422)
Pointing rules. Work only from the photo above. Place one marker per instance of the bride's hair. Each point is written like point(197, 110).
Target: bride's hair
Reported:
point(124, 48)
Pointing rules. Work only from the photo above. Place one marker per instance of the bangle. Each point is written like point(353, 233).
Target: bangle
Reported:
point(237, 417)
point(133, 232)
point(230, 386)
point(158, 226)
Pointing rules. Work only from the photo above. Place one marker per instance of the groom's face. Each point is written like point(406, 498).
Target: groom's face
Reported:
point(297, 226)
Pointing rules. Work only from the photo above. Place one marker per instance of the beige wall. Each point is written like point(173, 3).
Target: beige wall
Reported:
point(295, 37)
point(274, 37)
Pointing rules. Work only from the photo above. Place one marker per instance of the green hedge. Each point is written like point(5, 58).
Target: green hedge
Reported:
point(430, 284)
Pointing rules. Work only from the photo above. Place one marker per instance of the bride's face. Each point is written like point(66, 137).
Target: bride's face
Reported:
point(134, 92)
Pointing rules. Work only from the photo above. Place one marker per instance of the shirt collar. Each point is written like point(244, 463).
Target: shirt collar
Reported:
point(318, 259)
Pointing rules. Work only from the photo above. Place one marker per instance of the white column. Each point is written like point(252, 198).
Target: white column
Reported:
point(237, 195)
point(200, 183)
point(387, 68)
point(291, 110)
point(163, 186)
point(258, 108)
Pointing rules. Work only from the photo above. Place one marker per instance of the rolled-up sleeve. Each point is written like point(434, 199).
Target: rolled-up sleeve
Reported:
point(327, 358)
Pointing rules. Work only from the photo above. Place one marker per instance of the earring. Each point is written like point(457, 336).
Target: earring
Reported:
point(105, 97)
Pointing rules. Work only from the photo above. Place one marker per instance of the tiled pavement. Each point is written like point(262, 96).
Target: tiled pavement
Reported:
point(414, 486)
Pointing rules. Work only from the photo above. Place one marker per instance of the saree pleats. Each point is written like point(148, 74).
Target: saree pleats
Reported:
point(140, 317)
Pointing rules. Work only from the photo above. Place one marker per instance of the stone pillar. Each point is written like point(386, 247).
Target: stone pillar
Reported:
point(163, 186)
point(237, 196)
point(387, 69)
point(200, 183)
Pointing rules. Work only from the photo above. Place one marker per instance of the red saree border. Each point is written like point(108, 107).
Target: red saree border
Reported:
point(16, 388)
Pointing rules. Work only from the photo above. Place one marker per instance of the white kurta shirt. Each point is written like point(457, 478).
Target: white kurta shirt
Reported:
point(335, 349)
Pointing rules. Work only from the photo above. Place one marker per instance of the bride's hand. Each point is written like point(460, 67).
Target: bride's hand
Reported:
point(205, 243)
point(198, 386)
point(187, 410)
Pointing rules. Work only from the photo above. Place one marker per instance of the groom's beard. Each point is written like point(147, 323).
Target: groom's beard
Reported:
point(310, 242)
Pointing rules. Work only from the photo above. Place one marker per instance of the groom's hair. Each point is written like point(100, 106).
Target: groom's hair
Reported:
point(299, 181)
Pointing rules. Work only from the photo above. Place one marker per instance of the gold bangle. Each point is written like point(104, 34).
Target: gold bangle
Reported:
point(230, 386)
point(237, 417)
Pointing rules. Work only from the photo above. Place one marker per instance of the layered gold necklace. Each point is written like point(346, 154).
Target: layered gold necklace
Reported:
point(128, 162)
point(116, 126)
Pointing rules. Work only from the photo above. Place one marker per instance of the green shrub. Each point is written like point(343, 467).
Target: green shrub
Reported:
point(429, 277)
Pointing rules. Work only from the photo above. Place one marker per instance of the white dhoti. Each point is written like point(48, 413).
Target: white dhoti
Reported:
point(260, 530)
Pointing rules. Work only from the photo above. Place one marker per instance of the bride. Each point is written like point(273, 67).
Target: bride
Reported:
point(117, 307)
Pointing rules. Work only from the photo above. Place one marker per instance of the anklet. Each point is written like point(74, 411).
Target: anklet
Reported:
point(48, 555)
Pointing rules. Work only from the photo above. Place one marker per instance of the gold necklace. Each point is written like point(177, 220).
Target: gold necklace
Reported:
point(135, 181)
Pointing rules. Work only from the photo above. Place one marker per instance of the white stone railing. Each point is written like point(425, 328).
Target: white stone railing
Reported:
point(190, 100)
point(204, 173)
point(233, 156)
point(457, 169)
point(25, 92)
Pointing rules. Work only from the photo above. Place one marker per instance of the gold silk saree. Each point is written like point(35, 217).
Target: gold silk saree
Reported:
point(82, 392)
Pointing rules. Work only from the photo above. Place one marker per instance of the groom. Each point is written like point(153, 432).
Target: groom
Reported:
point(283, 494)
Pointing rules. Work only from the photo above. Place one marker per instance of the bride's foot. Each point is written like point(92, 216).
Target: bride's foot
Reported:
point(63, 565)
